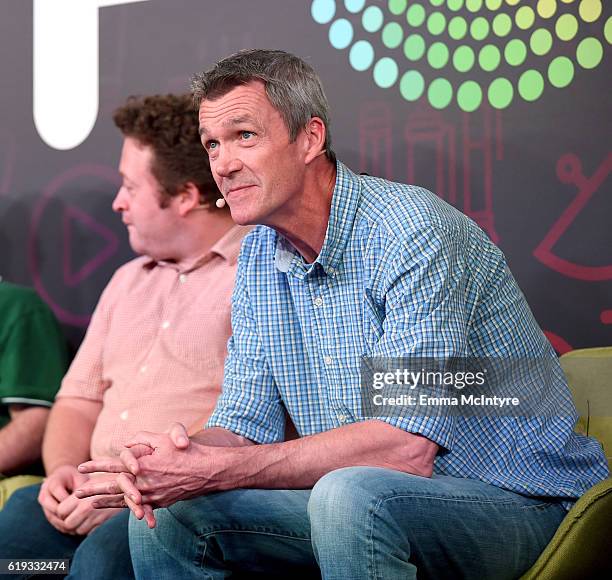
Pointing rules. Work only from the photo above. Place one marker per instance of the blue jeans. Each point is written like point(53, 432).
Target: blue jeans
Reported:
point(26, 533)
point(356, 523)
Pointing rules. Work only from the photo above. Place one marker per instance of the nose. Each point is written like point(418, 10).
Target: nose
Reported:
point(226, 163)
point(120, 201)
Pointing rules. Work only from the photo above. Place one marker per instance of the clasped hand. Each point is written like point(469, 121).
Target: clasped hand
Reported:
point(154, 470)
point(63, 509)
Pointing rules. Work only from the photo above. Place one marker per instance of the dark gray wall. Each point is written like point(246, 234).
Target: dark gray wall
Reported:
point(535, 175)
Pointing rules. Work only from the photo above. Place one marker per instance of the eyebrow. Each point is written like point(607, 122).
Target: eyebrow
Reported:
point(229, 123)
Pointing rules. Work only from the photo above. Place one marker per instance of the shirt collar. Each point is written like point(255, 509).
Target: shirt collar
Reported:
point(227, 247)
point(345, 201)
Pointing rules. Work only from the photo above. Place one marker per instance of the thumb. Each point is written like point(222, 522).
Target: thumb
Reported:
point(178, 435)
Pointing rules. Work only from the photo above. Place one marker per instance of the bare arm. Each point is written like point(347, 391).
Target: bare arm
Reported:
point(21, 438)
point(300, 463)
point(173, 470)
point(69, 430)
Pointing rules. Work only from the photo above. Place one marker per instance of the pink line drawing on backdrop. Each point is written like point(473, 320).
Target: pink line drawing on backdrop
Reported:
point(71, 214)
point(376, 139)
point(51, 189)
point(569, 170)
point(425, 127)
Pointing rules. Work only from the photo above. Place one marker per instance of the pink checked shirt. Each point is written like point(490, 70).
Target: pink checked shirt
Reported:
point(155, 348)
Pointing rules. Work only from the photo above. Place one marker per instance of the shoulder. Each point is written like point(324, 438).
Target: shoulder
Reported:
point(16, 301)
point(404, 214)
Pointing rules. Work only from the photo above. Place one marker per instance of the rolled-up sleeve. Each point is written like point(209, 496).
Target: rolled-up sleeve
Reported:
point(425, 316)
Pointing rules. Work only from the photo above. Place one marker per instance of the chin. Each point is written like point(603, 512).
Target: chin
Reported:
point(243, 218)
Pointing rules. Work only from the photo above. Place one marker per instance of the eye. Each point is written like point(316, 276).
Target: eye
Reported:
point(247, 134)
point(211, 145)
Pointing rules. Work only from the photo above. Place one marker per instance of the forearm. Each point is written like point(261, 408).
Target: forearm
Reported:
point(219, 437)
point(300, 463)
point(68, 436)
point(21, 439)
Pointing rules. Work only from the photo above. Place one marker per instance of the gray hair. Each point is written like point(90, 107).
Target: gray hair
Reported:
point(292, 85)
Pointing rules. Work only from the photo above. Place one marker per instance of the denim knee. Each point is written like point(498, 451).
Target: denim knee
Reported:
point(339, 501)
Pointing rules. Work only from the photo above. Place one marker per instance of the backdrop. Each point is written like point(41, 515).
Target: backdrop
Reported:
point(500, 107)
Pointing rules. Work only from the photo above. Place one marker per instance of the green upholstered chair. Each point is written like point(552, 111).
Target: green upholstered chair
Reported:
point(582, 546)
point(11, 484)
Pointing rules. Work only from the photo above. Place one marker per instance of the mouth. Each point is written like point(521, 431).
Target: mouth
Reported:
point(237, 190)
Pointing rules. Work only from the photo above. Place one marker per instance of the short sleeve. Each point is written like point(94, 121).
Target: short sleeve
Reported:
point(85, 378)
point(33, 359)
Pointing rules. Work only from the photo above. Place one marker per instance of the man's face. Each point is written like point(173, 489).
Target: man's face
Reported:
point(260, 174)
point(151, 228)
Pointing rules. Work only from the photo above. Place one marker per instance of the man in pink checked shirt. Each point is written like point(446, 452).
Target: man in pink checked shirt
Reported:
point(155, 348)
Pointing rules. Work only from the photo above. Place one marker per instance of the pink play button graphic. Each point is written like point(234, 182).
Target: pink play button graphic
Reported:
point(74, 231)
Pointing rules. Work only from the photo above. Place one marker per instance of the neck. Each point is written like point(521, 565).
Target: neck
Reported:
point(203, 229)
point(306, 227)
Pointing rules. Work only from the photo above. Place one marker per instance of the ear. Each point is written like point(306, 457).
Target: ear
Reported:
point(315, 132)
point(188, 199)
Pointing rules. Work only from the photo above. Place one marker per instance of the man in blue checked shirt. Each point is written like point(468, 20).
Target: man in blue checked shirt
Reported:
point(345, 266)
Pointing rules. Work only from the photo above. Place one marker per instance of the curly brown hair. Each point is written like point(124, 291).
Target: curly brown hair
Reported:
point(169, 125)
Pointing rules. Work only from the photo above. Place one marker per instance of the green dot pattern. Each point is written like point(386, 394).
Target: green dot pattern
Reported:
point(553, 22)
point(436, 23)
point(439, 93)
point(392, 35)
point(500, 93)
point(469, 96)
point(525, 17)
point(414, 47)
point(502, 25)
point(397, 6)
point(566, 27)
point(415, 15)
point(489, 57)
point(560, 72)
point(412, 85)
point(457, 28)
point(479, 29)
point(372, 18)
point(540, 41)
point(515, 52)
point(608, 30)
point(385, 72)
point(437, 55)
point(454, 5)
point(531, 85)
point(463, 58)
point(589, 53)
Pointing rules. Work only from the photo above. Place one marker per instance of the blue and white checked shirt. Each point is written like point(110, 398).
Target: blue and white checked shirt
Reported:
point(400, 273)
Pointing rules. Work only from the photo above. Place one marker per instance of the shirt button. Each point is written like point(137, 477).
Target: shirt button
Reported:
point(165, 324)
point(327, 360)
point(342, 418)
point(318, 301)
point(182, 278)
point(124, 415)
point(143, 369)
point(331, 270)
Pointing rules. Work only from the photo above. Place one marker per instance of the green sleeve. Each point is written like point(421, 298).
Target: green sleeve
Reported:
point(33, 358)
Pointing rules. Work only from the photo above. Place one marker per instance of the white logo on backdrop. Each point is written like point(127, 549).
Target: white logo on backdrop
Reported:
point(66, 69)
